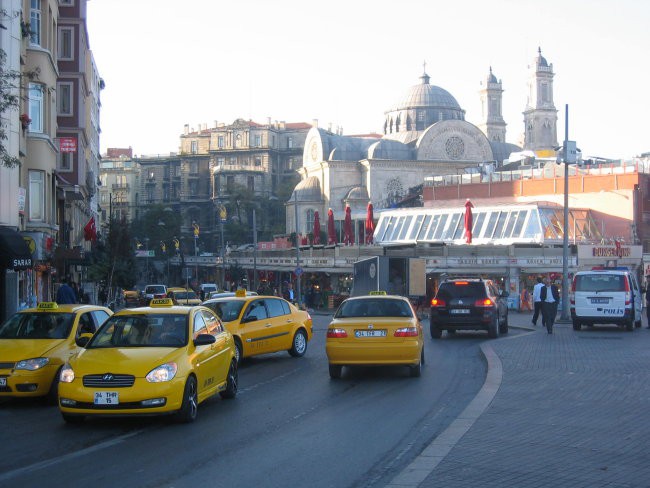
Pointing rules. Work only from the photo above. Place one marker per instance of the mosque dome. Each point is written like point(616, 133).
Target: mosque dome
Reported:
point(539, 59)
point(308, 190)
point(425, 95)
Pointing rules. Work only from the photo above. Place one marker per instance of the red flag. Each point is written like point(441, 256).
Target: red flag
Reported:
point(90, 232)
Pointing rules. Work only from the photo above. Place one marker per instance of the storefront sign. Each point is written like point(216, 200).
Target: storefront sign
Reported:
point(21, 200)
point(608, 252)
point(68, 144)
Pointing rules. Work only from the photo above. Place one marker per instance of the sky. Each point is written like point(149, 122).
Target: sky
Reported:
point(167, 63)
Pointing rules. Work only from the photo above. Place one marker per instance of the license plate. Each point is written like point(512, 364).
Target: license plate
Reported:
point(106, 398)
point(459, 310)
point(3, 381)
point(600, 300)
point(370, 333)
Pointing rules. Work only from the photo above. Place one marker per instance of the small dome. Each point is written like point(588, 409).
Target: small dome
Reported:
point(540, 60)
point(308, 190)
point(357, 193)
point(491, 78)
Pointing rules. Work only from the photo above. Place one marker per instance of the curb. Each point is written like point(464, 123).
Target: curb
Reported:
point(423, 465)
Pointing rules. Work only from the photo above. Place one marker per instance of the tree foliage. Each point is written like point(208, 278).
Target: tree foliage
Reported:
point(114, 260)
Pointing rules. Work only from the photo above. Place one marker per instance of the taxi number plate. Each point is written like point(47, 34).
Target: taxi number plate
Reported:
point(106, 398)
point(600, 300)
point(3, 381)
point(370, 333)
point(459, 310)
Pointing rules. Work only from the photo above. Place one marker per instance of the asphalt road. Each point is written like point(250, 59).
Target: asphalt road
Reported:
point(289, 425)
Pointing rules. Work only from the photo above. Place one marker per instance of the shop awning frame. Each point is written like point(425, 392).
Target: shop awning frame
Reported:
point(14, 252)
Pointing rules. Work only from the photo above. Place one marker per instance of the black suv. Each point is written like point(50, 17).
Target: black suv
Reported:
point(469, 304)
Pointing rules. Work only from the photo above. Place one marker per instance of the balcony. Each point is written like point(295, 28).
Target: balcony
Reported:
point(120, 186)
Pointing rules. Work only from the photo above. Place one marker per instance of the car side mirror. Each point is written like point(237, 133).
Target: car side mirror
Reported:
point(204, 339)
point(83, 339)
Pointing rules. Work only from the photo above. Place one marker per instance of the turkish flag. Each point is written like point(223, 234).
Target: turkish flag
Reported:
point(90, 231)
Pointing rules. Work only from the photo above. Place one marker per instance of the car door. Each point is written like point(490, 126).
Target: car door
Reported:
point(222, 344)
point(204, 358)
point(283, 324)
point(637, 298)
point(256, 329)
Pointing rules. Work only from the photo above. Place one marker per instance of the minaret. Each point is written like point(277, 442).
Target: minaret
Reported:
point(492, 125)
point(540, 115)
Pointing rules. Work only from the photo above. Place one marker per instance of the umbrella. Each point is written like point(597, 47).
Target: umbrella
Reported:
point(347, 226)
point(370, 225)
point(468, 221)
point(331, 230)
point(316, 240)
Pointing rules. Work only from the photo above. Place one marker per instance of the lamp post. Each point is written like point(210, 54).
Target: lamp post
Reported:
point(568, 155)
point(195, 226)
point(295, 208)
point(146, 248)
point(223, 215)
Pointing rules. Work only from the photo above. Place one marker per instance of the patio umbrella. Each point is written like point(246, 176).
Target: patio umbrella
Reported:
point(331, 230)
point(468, 221)
point(347, 226)
point(370, 225)
point(316, 240)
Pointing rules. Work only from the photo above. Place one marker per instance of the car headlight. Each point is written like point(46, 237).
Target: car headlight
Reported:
point(32, 364)
point(67, 374)
point(164, 372)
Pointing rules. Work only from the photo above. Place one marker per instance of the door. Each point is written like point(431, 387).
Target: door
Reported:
point(257, 329)
point(222, 345)
point(283, 323)
point(204, 359)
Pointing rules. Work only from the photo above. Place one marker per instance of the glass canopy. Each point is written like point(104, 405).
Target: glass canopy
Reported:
point(538, 223)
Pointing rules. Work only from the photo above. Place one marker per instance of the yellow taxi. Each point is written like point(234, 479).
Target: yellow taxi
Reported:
point(161, 359)
point(36, 342)
point(375, 330)
point(183, 296)
point(263, 324)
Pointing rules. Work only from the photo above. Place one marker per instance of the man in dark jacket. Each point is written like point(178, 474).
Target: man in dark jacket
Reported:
point(647, 299)
point(550, 297)
point(65, 294)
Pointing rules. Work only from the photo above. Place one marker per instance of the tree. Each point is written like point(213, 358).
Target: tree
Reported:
point(114, 262)
point(160, 223)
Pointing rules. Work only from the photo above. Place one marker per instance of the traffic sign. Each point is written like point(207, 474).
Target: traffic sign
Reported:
point(298, 271)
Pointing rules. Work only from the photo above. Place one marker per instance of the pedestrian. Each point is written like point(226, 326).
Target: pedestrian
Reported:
point(647, 299)
point(550, 296)
point(537, 301)
point(525, 300)
point(65, 294)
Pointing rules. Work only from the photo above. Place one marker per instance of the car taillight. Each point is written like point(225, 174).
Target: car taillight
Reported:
point(406, 332)
point(437, 302)
point(484, 302)
point(628, 294)
point(336, 333)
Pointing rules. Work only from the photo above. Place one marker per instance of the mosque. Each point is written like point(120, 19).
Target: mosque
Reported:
point(424, 134)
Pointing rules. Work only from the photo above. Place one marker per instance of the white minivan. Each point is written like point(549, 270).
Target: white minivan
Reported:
point(606, 296)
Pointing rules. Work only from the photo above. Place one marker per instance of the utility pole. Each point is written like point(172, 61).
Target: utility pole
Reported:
point(565, 241)
point(254, 252)
point(295, 207)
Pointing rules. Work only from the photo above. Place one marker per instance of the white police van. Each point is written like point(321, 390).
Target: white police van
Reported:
point(606, 296)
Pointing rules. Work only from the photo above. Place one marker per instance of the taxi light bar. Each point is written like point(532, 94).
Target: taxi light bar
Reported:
point(48, 306)
point(336, 333)
point(406, 332)
point(377, 292)
point(161, 302)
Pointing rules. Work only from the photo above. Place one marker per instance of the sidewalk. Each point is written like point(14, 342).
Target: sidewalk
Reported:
point(563, 410)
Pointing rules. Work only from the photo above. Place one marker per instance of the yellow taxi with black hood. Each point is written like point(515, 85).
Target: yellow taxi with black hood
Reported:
point(375, 330)
point(160, 359)
point(36, 342)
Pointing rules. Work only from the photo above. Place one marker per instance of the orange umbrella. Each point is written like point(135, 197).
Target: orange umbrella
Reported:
point(347, 227)
point(331, 230)
point(316, 240)
point(370, 225)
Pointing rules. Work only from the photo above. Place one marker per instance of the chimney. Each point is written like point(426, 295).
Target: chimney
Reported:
point(329, 127)
point(283, 125)
point(215, 125)
point(268, 121)
point(314, 123)
point(186, 129)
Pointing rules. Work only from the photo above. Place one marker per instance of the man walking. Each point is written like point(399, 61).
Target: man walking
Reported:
point(537, 300)
point(550, 296)
point(65, 294)
point(647, 299)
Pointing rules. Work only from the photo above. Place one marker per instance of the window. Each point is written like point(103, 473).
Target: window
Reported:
point(230, 182)
point(36, 107)
point(64, 91)
point(220, 142)
point(258, 161)
point(310, 219)
point(290, 142)
point(103, 178)
point(258, 140)
point(65, 161)
point(66, 43)
point(232, 160)
point(194, 188)
point(66, 3)
point(194, 167)
point(221, 161)
point(195, 147)
point(238, 140)
point(251, 183)
point(36, 195)
point(35, 23)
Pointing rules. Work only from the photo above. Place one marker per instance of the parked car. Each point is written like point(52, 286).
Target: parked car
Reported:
point(606, 296)
point(153, 291)
point(36, 342)
point(131, 298)
point(151, 360)
point(263, 324)
point(375, 330)
point(469, 304)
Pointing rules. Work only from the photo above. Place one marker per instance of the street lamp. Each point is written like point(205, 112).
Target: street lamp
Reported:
point(223, 215)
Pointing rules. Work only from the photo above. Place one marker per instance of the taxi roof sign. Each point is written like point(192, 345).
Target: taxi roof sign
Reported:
point(241, 292)
point(377, 292)
point(48, 306)
point(161, 302)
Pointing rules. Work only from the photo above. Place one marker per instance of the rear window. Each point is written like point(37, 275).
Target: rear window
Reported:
point(461, 289)
point(374, 308)
point(155, 289)
point(600, 282)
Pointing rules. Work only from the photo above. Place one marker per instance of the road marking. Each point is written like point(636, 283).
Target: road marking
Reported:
point(44, 464)
point(422, 466)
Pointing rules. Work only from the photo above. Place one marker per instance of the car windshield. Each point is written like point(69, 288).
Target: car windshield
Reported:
point(379, 307)
point(141, 330)
point(226, 310)
point(154, 289)
point(185, 295)
point(37, 325)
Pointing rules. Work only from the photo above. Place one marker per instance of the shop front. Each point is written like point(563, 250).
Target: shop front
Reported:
point(15, 260)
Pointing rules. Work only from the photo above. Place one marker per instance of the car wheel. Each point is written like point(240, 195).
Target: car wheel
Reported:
point(436, 332)
point(493, 328)
point(190, 405)
point(335, 371)
point(503, 327)
point(416, 370)
point(576, 325)
point(239, 352)
point(53, 394)
point(231, 385)
point(629, 325)
point(299, 344)
point(72, 419)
